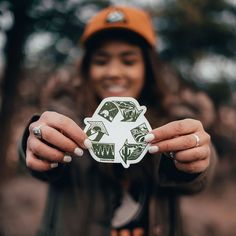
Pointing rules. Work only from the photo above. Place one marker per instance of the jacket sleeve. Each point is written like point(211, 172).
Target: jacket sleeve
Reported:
point(49, 176)
point(170, 178)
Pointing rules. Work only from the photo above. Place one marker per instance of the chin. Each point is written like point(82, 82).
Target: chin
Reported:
point(102, 93)
point(110, 94)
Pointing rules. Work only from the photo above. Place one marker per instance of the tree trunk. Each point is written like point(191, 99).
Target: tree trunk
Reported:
point(14, 56)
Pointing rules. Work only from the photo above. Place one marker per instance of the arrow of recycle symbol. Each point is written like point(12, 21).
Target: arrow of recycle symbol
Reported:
point(117, 130)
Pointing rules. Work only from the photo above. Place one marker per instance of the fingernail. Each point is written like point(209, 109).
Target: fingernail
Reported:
point(67, 158)
point(153, 149)
point(87, 143)
point(54, 165)
point(78, 151)
point(149, 137)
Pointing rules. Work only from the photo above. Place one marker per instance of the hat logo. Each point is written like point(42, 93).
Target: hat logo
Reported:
point(115, 16)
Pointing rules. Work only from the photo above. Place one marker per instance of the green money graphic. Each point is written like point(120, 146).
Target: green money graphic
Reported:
point(139, 132)
point(130, 151)
point(96, 130)
point(104, 150)
point(108, 111)
point(129, 111)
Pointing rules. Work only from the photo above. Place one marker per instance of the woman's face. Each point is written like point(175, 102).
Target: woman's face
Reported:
point(117, 69)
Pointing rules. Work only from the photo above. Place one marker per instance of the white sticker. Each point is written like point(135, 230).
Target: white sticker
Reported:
point(117, 130)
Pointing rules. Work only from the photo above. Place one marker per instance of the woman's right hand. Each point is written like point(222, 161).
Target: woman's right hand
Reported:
point(60, 138)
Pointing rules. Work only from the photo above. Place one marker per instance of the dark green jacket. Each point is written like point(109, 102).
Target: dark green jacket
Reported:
point(81, 195)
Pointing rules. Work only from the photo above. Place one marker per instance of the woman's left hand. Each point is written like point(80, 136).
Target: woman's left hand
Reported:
point(186, 140)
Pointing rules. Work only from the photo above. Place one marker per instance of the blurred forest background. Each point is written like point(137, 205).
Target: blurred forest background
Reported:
point(39, 43)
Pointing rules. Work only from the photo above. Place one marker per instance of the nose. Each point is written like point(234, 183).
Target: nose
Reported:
point(114, 70)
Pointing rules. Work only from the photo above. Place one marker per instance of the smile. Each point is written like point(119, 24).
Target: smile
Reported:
point(115, 88)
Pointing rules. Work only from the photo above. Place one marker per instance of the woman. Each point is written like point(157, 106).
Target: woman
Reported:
point(89, 198)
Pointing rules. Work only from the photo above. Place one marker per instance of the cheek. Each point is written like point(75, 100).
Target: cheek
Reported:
point(95, 73)
point(139, 76)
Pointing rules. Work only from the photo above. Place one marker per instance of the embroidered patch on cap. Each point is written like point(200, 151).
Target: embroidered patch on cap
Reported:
point(115, 16)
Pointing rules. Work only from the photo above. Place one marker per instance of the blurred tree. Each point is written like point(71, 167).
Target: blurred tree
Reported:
point(64, 21)
point(193, 32)
point(13, 53)
point(45, 35)
point(192, 28)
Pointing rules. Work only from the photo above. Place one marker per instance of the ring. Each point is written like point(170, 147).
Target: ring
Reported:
point(197, 140)
point(37, 132)
point(172, 155)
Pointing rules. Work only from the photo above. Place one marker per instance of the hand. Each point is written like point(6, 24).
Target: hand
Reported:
point(181, 137)
point(60, 137)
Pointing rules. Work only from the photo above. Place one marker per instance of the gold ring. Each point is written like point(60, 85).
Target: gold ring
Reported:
point(197, 140)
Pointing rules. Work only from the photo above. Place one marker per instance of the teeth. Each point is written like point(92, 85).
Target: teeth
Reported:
point(116, 89)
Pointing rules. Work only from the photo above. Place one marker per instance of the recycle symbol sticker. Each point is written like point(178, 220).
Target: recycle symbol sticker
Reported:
point(116, 130)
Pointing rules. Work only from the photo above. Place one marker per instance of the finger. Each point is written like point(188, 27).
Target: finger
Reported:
point(45, 152)
point(174, 129)
point(58, 140)
point(180, 143)
point(67, 126)
point(138, 232)
point(114, 233)
point(36, 164)
point(193, 167)
point(124, 232)
point(193, 154)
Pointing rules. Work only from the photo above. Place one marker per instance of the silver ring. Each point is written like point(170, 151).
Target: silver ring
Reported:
point(197, 140)
point(37, 132)
point(172, 155)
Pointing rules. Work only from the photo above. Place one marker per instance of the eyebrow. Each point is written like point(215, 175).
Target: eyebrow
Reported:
point(125, 53)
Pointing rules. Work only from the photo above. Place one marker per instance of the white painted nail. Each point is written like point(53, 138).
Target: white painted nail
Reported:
point(67, 158)
point(153, 149)
point(149, 137)
point(53, 165)
point(87, 143)
point(78, 152)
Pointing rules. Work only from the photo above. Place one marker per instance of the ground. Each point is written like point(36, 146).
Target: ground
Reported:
point(211, 213)
point(22, 201)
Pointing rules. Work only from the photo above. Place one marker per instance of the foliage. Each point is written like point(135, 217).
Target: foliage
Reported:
point(45, 34)
point(190, 28)
point(199, 32)
point(63, 21)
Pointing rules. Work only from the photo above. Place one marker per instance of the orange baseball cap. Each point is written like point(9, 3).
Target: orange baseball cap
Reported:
point(121, 17)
